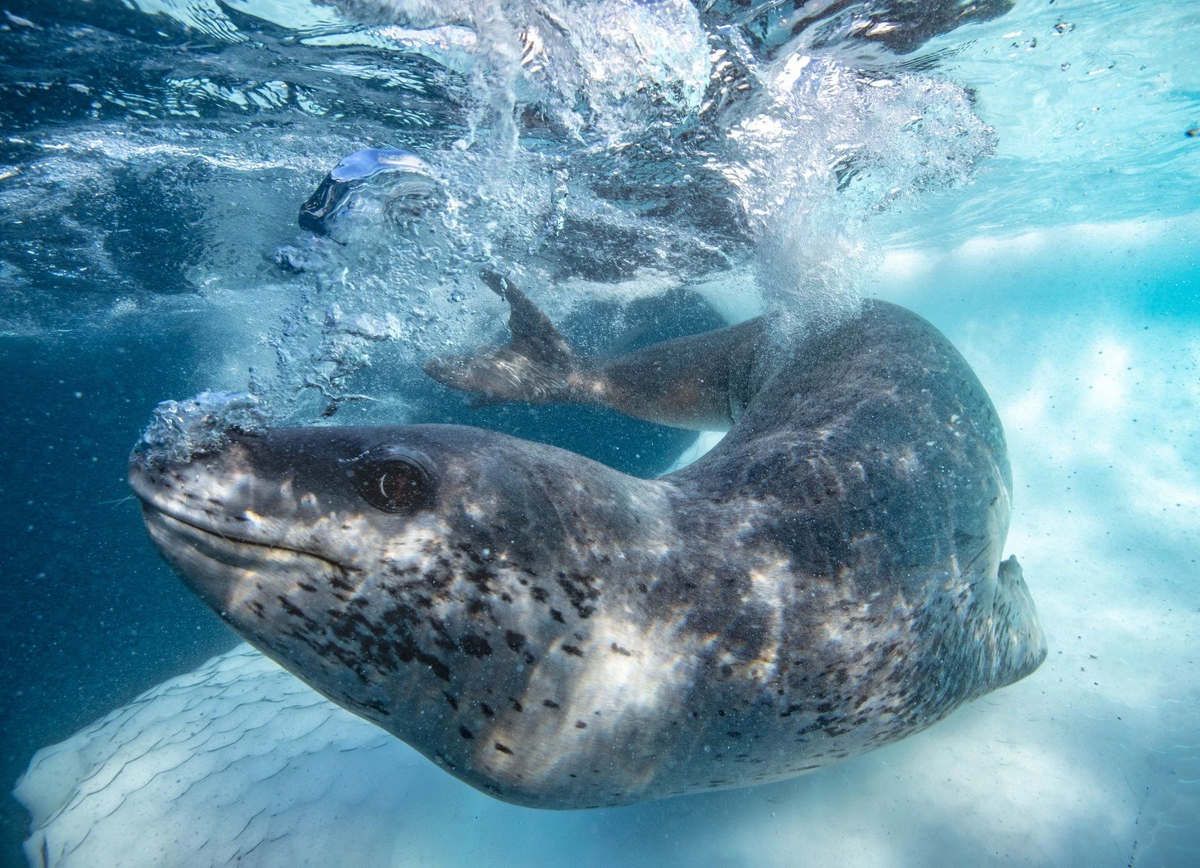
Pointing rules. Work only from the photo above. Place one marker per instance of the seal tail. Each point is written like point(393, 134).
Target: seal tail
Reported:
point(535, 366)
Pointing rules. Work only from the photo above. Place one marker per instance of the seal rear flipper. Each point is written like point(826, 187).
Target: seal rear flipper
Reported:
point(534, 367)
point(497, 375)
point(533, 335)
point(700, 382)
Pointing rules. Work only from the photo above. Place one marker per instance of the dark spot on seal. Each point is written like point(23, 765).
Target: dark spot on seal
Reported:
point(624, 652)
point(437, 667)
point(474, 645)
point(304, 586)
point(580, 590)
point(503, 749)
point(515, 641)
point(292, 609)
point(480, 577)
point(487, 712)
point(453, 702)
point(557, 616)
point(465, 733)
point(579, 724)
point(572, 650)
point(549, 703)
point(377, 708)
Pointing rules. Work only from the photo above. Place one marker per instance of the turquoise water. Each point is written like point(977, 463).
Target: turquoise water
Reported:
point(1027, 182)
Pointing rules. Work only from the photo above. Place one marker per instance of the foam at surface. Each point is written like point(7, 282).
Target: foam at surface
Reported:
point(1092, 761)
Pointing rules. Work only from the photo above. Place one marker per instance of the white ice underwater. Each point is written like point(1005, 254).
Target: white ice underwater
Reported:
point(1092, 761)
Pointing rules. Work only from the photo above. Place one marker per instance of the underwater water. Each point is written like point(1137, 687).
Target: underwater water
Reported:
point(1026, 176)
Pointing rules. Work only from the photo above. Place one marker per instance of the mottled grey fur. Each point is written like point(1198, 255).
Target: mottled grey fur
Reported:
point(827, 580)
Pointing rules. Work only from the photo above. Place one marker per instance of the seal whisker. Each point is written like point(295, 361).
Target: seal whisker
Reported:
point(126, 499)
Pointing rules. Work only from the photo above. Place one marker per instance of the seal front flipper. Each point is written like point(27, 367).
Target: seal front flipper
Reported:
point(1017, 643)
point(535, 366)
point(698, 382)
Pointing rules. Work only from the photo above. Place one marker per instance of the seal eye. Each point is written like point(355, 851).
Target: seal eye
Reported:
point(395, 485)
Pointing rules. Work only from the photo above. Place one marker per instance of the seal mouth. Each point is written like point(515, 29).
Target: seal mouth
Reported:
point(225, 571)
point(220, 547)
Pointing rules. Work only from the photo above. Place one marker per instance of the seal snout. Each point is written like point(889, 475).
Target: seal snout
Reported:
point(237, 538)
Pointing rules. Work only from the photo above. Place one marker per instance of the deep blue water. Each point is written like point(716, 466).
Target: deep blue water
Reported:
point(1028, 181)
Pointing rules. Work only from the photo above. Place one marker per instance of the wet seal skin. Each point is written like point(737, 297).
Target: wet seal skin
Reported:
point(827, 580)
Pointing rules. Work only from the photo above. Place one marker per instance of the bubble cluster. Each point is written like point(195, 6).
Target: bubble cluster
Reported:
point(569, 145)
point(181, 430)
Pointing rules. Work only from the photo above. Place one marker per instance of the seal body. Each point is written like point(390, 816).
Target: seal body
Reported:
point(827, 580)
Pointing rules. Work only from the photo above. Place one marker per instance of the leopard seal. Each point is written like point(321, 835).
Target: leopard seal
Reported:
point(827, 580)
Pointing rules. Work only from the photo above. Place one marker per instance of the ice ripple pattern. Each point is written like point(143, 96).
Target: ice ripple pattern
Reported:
point(235, 760)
